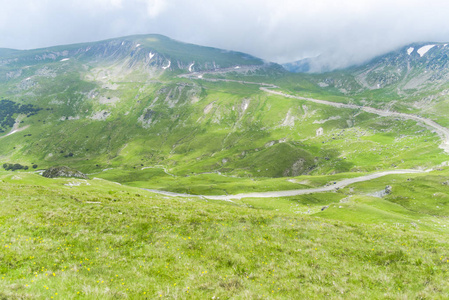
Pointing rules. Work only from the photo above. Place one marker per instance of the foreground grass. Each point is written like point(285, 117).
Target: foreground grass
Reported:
point(104, 240)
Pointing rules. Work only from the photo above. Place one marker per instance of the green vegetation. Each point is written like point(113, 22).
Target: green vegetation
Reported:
point(14, 167)
point(78, 239)
point(8, 109)
point(147, 112)
point(102, 113)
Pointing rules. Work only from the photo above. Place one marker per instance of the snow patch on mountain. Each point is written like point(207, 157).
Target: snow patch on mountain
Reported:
point(65, 59)
point(169, 64)
point(410, 50)
point(190, 67)
point(423, 50)
point(151, 55)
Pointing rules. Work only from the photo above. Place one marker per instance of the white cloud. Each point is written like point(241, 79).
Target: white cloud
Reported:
point(284, 30)
point(95, 7)
point(155, 7)
point(106, 3)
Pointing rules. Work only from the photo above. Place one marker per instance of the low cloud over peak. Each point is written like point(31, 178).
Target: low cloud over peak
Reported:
point(347, 32)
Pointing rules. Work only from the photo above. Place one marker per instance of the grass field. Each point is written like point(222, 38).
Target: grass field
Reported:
point(76, 239)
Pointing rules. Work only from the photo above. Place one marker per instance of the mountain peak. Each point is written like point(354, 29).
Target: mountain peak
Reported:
point(153, 50)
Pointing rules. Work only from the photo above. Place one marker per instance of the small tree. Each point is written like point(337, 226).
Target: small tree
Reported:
point(17, 167)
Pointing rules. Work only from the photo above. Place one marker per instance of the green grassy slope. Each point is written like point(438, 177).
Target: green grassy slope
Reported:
point(198, 125)
point(114, 109)
point(77, 239)
point(101, 115)
point(111, 104)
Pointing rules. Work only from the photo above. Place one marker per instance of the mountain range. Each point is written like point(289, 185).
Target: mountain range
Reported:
point(142, 167)
point(137, 102)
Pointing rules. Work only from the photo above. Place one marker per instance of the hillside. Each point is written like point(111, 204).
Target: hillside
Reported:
point(152, 50)
point(70, 238)
point(116, 105)
point(413, 71)
point(275, 185)
point(411, 80)
point(98, 98)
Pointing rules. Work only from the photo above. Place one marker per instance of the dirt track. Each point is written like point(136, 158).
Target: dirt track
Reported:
point(443, 132)
point(274, 194)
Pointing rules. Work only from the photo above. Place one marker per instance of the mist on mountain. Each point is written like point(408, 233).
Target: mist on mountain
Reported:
point(341, 33)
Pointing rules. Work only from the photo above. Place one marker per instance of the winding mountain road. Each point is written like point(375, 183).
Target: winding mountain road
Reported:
point(289, 193)
point(443, 132)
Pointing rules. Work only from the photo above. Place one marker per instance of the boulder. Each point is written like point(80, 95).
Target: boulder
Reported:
point(63, 172)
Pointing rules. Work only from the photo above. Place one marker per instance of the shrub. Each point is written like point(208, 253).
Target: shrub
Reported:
point(14, 167)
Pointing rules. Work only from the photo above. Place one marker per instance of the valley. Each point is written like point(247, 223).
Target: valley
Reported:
point(213, 173)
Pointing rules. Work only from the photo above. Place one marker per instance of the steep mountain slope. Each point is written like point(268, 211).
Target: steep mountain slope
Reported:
point(410, 69)
point(121, 100)
point(414, 67)
point(413, 79)
point(154, 50)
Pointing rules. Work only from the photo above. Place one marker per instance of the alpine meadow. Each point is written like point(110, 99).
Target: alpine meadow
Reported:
point(143, 167)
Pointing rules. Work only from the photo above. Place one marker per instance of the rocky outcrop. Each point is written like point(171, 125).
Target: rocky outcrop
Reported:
point(63, 172)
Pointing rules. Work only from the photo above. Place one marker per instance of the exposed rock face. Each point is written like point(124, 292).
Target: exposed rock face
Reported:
point(298, 168)
point(63, 172)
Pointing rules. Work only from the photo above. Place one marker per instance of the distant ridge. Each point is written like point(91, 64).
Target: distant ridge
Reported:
point(321, 63)
point(152, 48)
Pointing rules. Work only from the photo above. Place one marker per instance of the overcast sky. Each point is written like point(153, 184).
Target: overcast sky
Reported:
point(347, 31)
